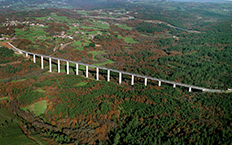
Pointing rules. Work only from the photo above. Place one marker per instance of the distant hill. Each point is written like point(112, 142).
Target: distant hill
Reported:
point(204, 1)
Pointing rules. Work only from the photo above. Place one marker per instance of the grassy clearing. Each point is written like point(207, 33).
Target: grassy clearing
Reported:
point(3, 80)
point(37, 108)
point(81, 12)
point(60, 18)
point(10, 133)
point(119, 37)
point(4, 98)
point(124, 27)
point(41, 18)
point(144, 34)
point(40, 90)
point(130, 40)
point(81, 84)
point(30, 34)
point(76, 43)
point(94, 53)
point(80, 48)
point(89, 27)
point(100, 25)
point(18, 80)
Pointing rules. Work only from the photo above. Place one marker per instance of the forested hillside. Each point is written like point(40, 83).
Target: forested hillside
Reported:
point(189, 43)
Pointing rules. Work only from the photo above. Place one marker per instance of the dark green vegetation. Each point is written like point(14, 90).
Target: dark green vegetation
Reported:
point(10, 133)
point(146, 115)
point(4, 52)
point(149, 28)
point(157, 39)
point(11, 69)
point(202, 59)
point(168, 119)
point(29, 97)
point(188, 124)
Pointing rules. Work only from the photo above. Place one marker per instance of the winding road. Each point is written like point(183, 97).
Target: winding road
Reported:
point(147, 21)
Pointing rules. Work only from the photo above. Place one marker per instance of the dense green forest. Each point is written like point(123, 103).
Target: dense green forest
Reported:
point(144, 115)
point(189, 43)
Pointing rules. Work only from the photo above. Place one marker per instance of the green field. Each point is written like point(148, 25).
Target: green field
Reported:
point(18, 80)
point(89, 27)
point(37, 108)
point(60, 18)
point(80, 48)
point(81, 12)
point(81, 84)
point(76, 43)
point(125, 27)
point(94, 53)
point(4, 98)
point(10, 133)
point(40, 90)
point(30, 34)
point(130, 40)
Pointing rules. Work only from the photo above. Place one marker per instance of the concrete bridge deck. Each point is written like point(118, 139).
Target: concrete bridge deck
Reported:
point(109, 70)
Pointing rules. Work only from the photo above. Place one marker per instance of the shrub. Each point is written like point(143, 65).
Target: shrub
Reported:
point(105, 107)
point(5, 52)
point(44, 83)
point(29, 97)
point(11, 69)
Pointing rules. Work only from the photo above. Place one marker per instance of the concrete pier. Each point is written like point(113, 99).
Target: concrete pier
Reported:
point(58, 66)
point(87, 75)
point(108, 77)
point(174, 85)
point(42, 67)
point(97, 73)
point(50, 64)
point(145, 82)
point(67, 67)
point(132, 80)
point(77, 69)
point(109, 69)
point(120, 78)
point(34, 58)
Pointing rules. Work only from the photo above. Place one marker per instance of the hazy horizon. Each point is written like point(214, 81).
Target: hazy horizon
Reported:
point(214, 1)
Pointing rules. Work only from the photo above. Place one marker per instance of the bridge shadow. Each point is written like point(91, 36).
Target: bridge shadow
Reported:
point(103, 74)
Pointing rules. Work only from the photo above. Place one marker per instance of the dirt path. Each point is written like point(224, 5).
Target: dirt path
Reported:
point(63, 46)
point(148, 21)
point(5, 44)
point(10, 63)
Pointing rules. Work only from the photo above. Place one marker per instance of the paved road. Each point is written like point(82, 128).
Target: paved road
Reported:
point(148, 21)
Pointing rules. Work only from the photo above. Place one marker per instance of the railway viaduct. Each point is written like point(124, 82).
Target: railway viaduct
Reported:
point(159, 81)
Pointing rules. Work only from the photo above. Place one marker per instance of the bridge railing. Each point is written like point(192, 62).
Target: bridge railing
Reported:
point(108, 71)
